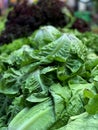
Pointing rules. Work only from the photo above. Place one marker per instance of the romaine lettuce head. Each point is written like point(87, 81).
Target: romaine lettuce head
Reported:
point(64, 47)
point(68, 51)
point(44, 36)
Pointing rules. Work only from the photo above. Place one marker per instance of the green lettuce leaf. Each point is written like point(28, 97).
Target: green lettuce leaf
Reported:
point(92, 106)
point(15, 45)
point(82, 122)
point(44, 35)
point(64, 47)
point(40, 116)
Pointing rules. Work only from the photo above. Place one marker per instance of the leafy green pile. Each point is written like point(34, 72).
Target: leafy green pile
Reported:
point(49, 82)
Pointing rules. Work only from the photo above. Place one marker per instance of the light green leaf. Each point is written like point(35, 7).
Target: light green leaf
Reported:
point(63, 47)
point(92, 106)
point(44, 35)
point(40, 116)
point(82, 122)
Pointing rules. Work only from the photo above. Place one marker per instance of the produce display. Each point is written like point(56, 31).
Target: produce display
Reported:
point(49, 81)
point(48, 69)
